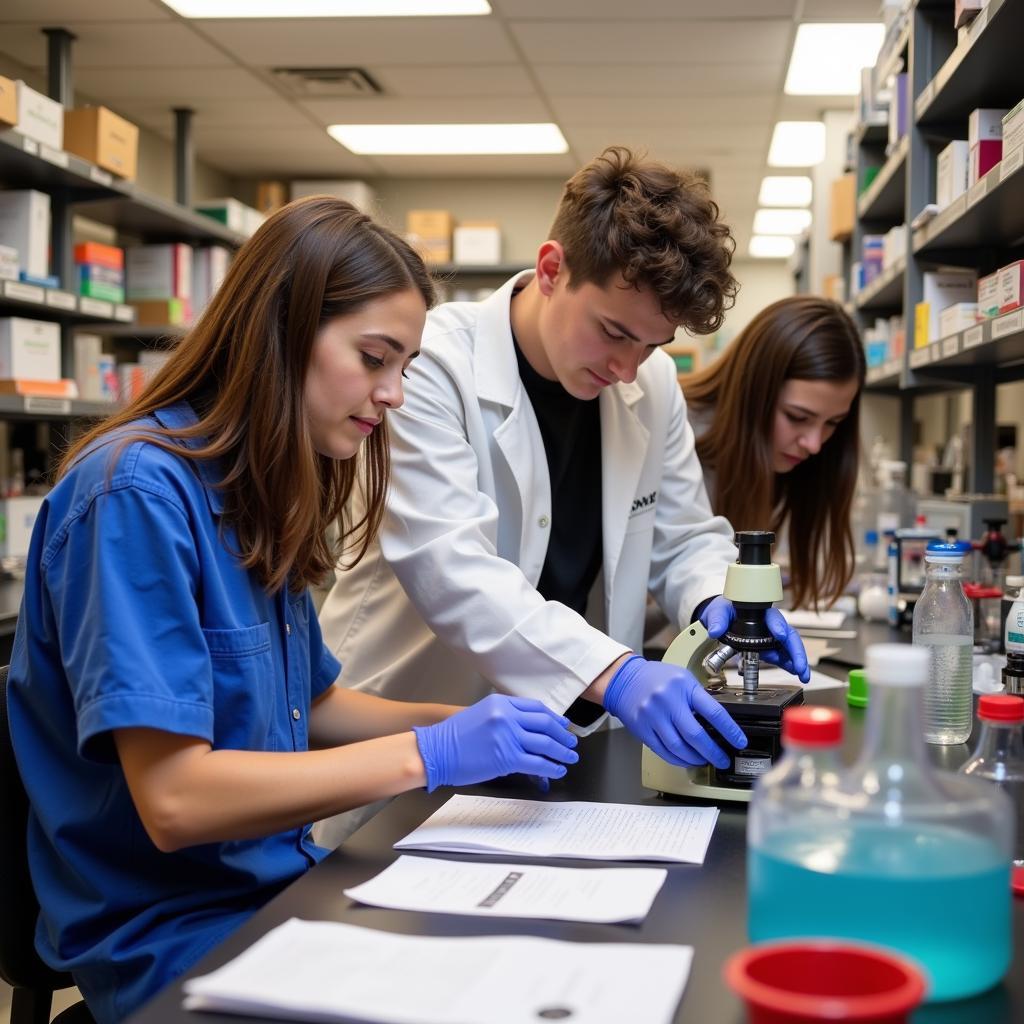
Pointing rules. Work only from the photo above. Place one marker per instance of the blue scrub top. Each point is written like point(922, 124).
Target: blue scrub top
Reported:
point(136, 613)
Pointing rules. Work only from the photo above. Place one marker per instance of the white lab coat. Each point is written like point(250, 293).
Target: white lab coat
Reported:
point(444, 607)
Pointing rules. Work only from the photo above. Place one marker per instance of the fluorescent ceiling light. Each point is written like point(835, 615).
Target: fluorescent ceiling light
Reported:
point(771, 246)
point(326, 8)
point(797, 144)
point(827, 59)
point(781, 222)
point(782, 190)
point(459, 139)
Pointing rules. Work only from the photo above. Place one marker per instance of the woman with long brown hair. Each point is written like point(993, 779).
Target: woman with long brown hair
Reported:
point(776, 422)
point(169, 677)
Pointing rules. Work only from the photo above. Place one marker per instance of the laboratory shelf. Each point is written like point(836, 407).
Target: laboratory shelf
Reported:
point(885, 377)
point(886, 291)
point(173, 331)
point(894, 47)
point(883, 200)
point(989, 214)
point(997, 342)
point(17, 298)
point(24, 163)
point(983, 71)
point(42, 408)
point(871, 134)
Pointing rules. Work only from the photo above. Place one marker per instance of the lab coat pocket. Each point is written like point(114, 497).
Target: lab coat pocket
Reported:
point(244, 689)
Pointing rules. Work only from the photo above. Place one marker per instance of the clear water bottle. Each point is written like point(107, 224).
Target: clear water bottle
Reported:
point(898, 854)
point(944, 624)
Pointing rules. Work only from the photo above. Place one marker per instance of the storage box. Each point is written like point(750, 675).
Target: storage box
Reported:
point(17, 519)
point(356, 192)
point(941, 289)
point(209, 265)
point(477, 242)
point(8, 103)
point(88, 370)
point(232, 213)
point(898, 107)
point(951, 172)
point(988, 296)
point(163, 313)
point(39, 117)
point(984, 156)
point(25, 226)
point(984, 123)
point(271, 196)
point(159, 271)
point(9, 269)
point(108, 140)
point(966, 11)
point(29, 349)
point(958, 317)
point(430, 232)
point(1010, 279)
point(1013, 129)
point(101, 255)
point(842, 210)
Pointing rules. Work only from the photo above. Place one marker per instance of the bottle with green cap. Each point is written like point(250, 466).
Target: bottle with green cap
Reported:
point(857, 689)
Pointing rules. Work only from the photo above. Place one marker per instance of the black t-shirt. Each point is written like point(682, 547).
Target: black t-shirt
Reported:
point(571, 429)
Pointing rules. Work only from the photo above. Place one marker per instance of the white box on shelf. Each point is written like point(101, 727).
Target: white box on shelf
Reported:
point(88, 371)
point(158, 271)
point(952, 167)
point(894, 245)
point(988, 296)
point(230, 212)
point(25, 226)
point(985, 123)
point(209, 265)
point(17, 518)
point(29, 349)
point(1013, 129)
point(958, 317)
point(9, 266)
point(39, 117)
point(358, 193)
point(941, 289)
point(479, 244)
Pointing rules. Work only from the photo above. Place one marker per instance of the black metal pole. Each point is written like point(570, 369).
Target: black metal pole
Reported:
point(60, 84)
point(184, 155)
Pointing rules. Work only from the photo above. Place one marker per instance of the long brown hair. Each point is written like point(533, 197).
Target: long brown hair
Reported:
point(803, 337)
point(658, 228)
point(243, 368)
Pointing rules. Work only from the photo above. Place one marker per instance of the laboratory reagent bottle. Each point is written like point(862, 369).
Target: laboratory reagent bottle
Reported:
point(1013, 635)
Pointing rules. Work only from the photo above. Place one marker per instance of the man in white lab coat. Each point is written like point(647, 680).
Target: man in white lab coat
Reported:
point(527, 521)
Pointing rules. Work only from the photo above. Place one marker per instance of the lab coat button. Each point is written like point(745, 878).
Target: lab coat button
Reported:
point(296, 714)
point(288, 628)
point(543, 522)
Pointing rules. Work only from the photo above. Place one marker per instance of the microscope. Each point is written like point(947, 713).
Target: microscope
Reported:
point(753, 583)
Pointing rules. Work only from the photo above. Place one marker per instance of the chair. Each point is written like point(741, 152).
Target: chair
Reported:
point(20, 965)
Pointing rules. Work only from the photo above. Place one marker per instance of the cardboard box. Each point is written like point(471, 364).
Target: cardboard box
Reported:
point(477, 242)
point(108, 140)
point(958, 317)
point(25, 226)
point(356, 192)
point(159, 271)
point(29, 349)
point(430, 232)
point(988, 296)
point(17, 519)
point(941, 289)
point(966, 11)
point(271, 196)
point(163, 313)
point(842, 210)
point(100, 255)
point(951, 172)
point(985, 123)
point(984, 156)
point(1010, 287)
point(8, 103)
point(39, 117)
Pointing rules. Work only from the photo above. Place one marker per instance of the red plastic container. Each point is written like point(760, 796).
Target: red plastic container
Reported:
point(807, 981)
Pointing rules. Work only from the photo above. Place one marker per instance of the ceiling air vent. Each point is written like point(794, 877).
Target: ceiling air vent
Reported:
point(327, 83)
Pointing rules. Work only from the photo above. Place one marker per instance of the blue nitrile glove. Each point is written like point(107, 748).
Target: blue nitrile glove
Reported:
point(790, 653)
point(498, 735)
point(656, 702)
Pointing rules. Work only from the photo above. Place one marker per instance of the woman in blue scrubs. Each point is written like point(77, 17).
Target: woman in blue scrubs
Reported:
point(168, 679)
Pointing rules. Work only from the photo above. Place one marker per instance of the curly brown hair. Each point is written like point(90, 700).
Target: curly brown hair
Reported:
point(658, 228)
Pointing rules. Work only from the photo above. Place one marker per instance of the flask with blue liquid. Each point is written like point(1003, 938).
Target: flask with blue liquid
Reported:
point(897, 853)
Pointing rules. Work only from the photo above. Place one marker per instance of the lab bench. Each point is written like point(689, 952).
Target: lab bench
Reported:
point(703, 906)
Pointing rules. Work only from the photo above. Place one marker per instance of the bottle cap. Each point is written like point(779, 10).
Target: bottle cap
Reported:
point(941, 551)
point(1000, 707)
point(898, 665)
point(812, 726)
point(980, 592)
point(1015, 581)
point(857, 693)
point(871, 537)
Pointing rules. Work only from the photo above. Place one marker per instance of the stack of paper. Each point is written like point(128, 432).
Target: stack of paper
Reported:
point(531, 828)
point(322, 971)
point(602, 895)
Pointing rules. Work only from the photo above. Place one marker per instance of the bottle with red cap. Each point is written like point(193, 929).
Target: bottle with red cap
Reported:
point(999, 754)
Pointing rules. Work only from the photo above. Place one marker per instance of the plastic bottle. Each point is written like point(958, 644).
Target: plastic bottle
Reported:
point(899, 853)
point(1013, 634)
point(999, 754)
point(944, 624)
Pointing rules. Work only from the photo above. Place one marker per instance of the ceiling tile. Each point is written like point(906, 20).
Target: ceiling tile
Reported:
point(217, 113)
point(311, 42)
point(460, 80)
point(54, 12)
point(841, 10)
point(288, 152)
point(472, 110)
point(170, 86)
point(138, 45)
point(684, 10)
point(728, 114)
point(667, 42)
point(476, 166)
point(675, 79)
